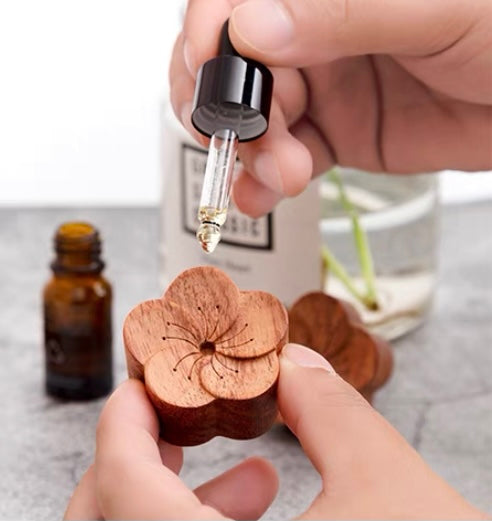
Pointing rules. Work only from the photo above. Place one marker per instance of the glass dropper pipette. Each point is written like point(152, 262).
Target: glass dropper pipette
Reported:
point(217, 185)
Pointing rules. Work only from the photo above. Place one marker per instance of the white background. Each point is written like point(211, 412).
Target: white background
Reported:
point(81, 85)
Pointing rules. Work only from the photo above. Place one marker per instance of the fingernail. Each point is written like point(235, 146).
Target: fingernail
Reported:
point(267, 171)
point(305, 357)
point(186, 116)
point(263, 24)
point(253, 198)
point(189, 58)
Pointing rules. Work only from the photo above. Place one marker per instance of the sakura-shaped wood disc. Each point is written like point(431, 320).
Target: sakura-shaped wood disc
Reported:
point(208, 355)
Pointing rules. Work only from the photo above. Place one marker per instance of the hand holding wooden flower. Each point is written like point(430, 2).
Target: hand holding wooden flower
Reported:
point(208, 354)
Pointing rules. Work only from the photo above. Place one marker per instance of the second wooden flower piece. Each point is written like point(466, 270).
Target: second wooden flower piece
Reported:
point(333, 328)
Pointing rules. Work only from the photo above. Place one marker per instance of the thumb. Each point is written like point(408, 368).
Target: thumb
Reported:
point(294, 33)
point(333, 422)
point(367, 468)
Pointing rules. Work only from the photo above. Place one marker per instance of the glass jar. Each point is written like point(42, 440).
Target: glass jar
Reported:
point(400, 216)
point(77, 317)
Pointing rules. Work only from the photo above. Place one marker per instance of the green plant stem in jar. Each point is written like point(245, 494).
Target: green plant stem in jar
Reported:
point(392, 221)
point(362, 247)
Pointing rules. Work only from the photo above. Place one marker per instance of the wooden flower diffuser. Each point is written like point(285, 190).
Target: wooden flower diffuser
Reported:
point(333, 328)
point(208, 355)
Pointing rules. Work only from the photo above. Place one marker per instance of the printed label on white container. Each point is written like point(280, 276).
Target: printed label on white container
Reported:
point(278, 253)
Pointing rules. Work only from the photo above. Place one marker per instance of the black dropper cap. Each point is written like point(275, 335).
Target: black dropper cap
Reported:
point(232, 92)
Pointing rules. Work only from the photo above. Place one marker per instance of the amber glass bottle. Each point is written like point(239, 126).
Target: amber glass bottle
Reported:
point(77, 317)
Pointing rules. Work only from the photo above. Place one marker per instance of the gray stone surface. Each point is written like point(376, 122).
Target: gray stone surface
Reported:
point(440, 396)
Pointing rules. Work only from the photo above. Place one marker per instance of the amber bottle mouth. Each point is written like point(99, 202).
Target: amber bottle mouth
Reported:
point(78, 248)
point(77, 236)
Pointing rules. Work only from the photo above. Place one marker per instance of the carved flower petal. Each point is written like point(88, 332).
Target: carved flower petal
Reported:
point(357, 362)
point(253, 377)
point(321, 322)
point(261, 327)
point(210, 297)
point(147, 324)
point(175, 379)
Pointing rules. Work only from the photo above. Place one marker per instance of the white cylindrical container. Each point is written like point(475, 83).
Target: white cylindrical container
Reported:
point(278, 253)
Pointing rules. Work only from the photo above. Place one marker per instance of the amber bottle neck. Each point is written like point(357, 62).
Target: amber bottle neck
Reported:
point(78, 250)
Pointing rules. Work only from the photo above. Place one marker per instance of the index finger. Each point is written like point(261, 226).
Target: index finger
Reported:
point(131, 481)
